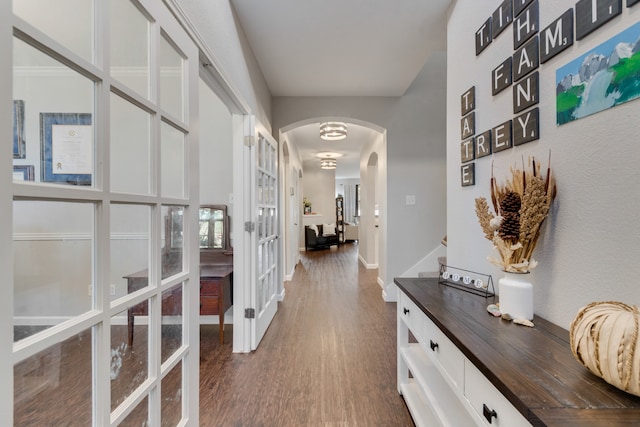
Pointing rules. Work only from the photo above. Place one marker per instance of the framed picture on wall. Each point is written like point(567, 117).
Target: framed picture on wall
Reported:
point(23, 172)
point(19, 144)
point(66, 145)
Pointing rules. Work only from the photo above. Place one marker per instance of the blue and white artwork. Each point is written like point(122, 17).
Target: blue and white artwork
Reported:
point(19, 144)
point(602, 78)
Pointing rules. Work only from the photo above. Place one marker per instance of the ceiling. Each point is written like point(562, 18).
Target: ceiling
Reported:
point(341, 48)
point(307, 141)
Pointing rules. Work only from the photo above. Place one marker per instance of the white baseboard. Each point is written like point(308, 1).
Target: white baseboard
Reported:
point(364, 263)
point(122, 320)
point(390, 293)
point(42, 320)
point(289, 277)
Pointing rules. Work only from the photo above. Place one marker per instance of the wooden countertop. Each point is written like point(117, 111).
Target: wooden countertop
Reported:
point(207, 271)
point(213, 271)
point(532, 367)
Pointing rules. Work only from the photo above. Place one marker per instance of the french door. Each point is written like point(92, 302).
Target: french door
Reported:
point(264, 303)
point(104, 202)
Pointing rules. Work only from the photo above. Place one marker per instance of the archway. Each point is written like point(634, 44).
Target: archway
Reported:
point(372, 148)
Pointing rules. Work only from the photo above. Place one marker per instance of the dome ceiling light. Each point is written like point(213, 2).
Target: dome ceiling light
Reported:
point(327, 163)
point(333, 131)
point(329, 155)
point(328, 159)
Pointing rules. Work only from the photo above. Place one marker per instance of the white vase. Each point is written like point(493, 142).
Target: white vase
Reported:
point(516, 296)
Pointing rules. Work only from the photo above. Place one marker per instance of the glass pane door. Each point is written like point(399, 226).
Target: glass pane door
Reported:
point(104, 221)
point(265, 301)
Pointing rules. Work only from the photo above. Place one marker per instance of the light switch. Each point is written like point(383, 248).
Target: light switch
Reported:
point(411, 200)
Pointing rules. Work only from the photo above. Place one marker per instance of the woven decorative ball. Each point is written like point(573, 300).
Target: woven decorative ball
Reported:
point(604, 338)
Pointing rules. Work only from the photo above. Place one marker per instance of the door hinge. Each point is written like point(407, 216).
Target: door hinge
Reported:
point(249, 131)
point(249, 313)
point(249, 226)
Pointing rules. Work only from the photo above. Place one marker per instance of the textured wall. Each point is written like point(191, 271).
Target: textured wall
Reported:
point(589, 247)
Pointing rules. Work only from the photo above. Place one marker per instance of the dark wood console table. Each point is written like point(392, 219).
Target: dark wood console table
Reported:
point(532, 368)
point(216, 295)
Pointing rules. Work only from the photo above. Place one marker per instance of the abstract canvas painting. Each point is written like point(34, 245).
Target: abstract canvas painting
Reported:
point(602, 78)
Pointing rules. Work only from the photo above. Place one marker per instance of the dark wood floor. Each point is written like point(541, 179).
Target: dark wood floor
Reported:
point(328, 359)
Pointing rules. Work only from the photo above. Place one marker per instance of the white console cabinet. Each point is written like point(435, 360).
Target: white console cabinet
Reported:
point(459, 366)
point(440, 386)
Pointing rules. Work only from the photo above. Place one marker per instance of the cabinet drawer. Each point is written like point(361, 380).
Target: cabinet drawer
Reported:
point(484, 398)
point(412, 316)
point(209, 305)
point(451, 359)
point(210, 287)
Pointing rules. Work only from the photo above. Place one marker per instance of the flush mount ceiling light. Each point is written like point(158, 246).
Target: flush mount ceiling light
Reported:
point(333, 131)
point(329, 155)
point(327, 163)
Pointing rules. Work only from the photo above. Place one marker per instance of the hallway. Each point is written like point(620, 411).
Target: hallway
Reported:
point(328, 358)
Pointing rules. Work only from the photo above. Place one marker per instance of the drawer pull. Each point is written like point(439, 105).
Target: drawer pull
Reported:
point(406, 310)
point(433, 345)
point(489, 414)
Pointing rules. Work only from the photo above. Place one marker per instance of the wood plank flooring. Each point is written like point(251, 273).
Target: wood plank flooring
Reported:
point(328, 359)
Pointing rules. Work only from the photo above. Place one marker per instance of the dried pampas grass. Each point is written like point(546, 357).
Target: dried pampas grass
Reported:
point(485, 217)
point(536, 195)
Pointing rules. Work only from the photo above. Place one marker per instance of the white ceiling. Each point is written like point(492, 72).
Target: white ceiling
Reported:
point(341, 48)
point(307, 141)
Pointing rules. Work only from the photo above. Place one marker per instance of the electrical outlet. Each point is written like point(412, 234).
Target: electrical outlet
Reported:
point(411, 200)
point(112, 290)
point(90, 289)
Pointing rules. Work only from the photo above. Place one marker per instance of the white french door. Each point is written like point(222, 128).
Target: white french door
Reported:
point(264, 303)
point(103, 205)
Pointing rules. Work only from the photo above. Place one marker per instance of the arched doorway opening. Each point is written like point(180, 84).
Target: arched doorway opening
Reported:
point(365, 141)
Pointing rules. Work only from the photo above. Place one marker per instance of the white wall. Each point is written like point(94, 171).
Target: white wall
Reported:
point(217, 25)
point(216, 151)
point(589, 246)
point(290, 207)
point(318, 186)
point(372, 229)
point(415, 125)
